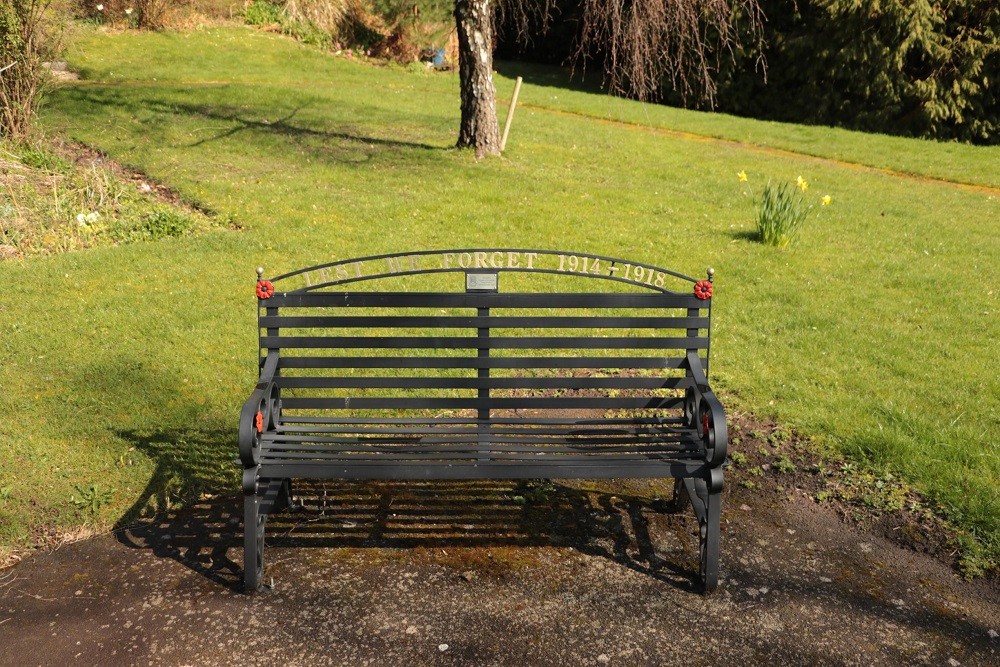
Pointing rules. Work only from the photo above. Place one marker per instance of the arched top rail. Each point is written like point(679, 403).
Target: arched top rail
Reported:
point(479, 265)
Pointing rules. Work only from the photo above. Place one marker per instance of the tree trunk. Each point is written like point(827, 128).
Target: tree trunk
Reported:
point(479, 129)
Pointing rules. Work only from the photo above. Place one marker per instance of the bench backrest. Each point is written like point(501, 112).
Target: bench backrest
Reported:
point(351, 339)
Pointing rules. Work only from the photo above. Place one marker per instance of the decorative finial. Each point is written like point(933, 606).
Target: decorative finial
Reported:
point(260, 272)
point(711, 273)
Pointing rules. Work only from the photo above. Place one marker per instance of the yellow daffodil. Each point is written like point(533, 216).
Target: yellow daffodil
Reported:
point(826, 200)
point(802, 184)
point(742, 176)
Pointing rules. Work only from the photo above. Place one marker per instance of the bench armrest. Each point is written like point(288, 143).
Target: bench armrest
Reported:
point(704, 411)
point(262, 400)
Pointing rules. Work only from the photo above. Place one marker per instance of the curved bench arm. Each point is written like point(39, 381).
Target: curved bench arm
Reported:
point(261, 400)
point(705, 402)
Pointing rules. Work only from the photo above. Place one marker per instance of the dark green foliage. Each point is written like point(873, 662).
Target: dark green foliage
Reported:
point(159, 223)
point(924, 68)
point(37, 158)
point(263, 12)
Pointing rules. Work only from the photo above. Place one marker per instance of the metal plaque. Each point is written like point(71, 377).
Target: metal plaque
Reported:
point(481, 282)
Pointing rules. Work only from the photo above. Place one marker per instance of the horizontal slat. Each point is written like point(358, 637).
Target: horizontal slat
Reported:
point(527, 403)
point(490, 470)
point(566, 382)
point(288, 432)
point(471, 322)
point(492, 342)
point(576, 457)
point(437, 422)
point(482, 362)
point(461, 437)
point(495, 444)
point(485, 300)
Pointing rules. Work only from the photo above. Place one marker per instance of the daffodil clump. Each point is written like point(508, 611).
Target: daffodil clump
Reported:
point(781, 209)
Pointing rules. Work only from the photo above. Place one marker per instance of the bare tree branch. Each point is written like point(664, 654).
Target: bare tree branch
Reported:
point(647, 46)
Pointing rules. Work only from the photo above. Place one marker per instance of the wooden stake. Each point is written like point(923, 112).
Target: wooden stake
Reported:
point(510, 114)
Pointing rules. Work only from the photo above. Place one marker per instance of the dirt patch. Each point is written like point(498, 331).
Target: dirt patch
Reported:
point(87, 157)
point(771, 463)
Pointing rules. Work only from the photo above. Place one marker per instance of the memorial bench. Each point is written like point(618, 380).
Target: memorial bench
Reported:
point(393, 367)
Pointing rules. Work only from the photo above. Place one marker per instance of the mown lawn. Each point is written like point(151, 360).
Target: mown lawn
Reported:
point(124, 368)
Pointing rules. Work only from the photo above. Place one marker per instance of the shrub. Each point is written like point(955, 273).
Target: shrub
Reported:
point(27, 40)
point(400, 30)
point(263, 12)
point(324, 15)
point(152, 14)
point(315, 22)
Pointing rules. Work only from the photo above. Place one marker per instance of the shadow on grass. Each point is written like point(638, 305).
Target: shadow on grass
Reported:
point(206, 535)
point(345, 142)
point(553, 76)
point(748, 235)
point(283, 126)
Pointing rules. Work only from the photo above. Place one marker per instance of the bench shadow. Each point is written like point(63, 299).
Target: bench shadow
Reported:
point(206, 534)
point(192, 466)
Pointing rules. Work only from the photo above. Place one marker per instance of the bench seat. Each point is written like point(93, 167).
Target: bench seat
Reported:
point(456, 448)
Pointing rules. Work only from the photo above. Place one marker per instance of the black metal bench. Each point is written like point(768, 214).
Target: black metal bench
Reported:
point(410, 374)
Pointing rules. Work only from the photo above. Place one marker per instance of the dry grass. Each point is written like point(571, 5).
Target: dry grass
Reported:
point(55, 200)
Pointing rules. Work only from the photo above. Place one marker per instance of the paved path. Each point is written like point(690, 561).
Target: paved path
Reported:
point(469, 574)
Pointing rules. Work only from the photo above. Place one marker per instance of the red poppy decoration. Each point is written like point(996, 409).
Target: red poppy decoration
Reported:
point(265, 290)
point(703, 289)
point(258, 421)
point(704, 422)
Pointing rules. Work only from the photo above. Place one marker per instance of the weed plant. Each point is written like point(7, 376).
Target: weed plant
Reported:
point(263, 13)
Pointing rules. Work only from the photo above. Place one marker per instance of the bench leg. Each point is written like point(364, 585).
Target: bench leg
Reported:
point(253, 533)
point(710, 530)
point(285, 499)
point(253, 543)
point(705, 498)
point(681, 499)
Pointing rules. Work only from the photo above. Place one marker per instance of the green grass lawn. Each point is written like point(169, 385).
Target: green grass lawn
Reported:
point(124, 368)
